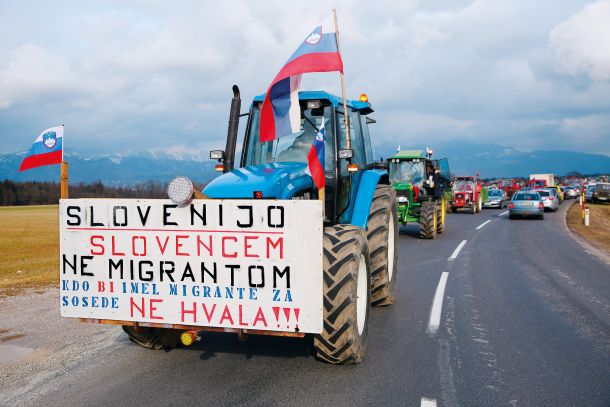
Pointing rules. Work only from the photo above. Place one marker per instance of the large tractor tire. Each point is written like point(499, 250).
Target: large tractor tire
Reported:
point(382, 236)
point(480, 204)
point(428, 220)
point(153, 338)
point(440, 220)
point(347, 296)
point(473, 207)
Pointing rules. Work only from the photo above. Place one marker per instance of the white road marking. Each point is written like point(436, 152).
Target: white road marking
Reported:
point(503, 213)
point(483, 224)
point(457, 251)
point(437, 304)
point(426, 402)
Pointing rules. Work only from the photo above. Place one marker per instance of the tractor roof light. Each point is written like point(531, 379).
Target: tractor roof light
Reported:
point(180, 190)
point(314, 104)
point(364, 98)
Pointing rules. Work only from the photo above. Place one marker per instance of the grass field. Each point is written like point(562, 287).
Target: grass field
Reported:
point(598, 231)
point(29, 247)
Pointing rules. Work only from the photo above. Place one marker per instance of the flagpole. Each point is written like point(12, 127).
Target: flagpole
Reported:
point(63, 171)
point(348, 144)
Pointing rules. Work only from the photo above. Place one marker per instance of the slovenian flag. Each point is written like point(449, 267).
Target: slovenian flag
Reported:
point(315, 158)
point(46, 150)
point(280, 113)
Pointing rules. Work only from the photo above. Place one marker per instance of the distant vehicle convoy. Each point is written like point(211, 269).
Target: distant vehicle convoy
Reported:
point(541, 181)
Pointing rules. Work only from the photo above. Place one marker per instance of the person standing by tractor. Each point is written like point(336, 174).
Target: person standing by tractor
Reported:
point(440, 182)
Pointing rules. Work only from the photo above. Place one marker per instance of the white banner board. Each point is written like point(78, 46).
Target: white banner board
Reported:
point(245, 264)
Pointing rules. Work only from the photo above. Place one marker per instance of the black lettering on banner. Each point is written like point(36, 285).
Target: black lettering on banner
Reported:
point(115, 222)
point(205, 270)
point(168, 271)
point(76, 216)
point(201, 215)
point(83, 265)
point(71, 265)
point(188, 272)
point(279, 224)
point(93, 222)
point(232, 267)
point(281, 274)
point(220, 215)
point(250, 217)
point(115, 266)
point(145, 275)
point(166, 214)
point(262, 273)
point(144, 216)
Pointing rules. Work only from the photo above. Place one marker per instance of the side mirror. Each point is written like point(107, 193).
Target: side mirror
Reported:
point(346, 154)
point(217, 155)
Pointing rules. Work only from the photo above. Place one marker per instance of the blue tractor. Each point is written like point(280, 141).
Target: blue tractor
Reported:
point(360, 216)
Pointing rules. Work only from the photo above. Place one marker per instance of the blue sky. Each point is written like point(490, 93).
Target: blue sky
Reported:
point(154, 75)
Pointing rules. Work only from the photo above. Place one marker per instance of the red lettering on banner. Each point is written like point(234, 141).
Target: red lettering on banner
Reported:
point(179, 245)
point(247, 246)
point(153, 308)
point(114, 250)
point(241, 322)
point(224, 252)
point(164, 246)
point(133, 305)
point(271, 244)
point(187, 311)
point(133, 245)
point(260, 316)
point(296, 313)
point(101, 287)
point(208, 247)
point(287, 314)
point(276, 311)
point(210, 314)
point(100, 246)
point(226, 314)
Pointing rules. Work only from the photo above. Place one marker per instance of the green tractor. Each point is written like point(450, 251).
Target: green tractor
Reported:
point(413, 174)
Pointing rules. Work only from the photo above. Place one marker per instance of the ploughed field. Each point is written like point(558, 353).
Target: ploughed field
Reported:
point(29, 244)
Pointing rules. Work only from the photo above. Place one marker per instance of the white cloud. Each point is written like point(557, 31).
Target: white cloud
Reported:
point(581, 44)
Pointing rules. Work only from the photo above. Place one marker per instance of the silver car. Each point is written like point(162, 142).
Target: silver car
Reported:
point(526, 203)
point(496, 198)
point(549, 200)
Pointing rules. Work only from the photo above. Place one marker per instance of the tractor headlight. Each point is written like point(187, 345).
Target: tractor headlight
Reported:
point(180, 190)
point(403, 199)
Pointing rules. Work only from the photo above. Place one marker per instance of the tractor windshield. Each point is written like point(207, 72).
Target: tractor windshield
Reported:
point(291, 147)
point(463, 185)
point(407, 171)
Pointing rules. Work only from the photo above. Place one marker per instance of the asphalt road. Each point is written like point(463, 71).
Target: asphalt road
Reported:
point(524, 321)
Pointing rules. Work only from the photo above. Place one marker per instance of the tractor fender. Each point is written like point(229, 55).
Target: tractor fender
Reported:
point(364, 196)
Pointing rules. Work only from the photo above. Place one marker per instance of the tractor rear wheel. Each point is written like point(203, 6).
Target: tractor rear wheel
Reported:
point(153, 338)
point(382, 238)
point(440, 220)
point(427, 220)
point(347, 292)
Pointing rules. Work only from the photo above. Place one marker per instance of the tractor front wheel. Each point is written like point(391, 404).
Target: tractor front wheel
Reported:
point(153, 338)
point(382, 238)
point(347, 296)
point(428, 220)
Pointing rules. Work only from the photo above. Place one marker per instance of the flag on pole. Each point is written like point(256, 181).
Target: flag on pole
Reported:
point(46, 150)
point(280, 113)
point(315, 158)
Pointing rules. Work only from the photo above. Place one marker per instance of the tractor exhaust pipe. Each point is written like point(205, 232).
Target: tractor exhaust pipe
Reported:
point(233, 128)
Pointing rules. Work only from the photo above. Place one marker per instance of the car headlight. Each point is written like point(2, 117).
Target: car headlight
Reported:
point(180, 190)
point(403, 199)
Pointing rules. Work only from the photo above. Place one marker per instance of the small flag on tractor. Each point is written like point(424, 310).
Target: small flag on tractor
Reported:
point(46, 150)
point(280, 113)
point(315, 158)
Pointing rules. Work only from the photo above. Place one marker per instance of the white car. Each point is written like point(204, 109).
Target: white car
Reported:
point(549, 200)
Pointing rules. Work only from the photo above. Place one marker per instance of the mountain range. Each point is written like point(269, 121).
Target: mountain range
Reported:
point(489, 160)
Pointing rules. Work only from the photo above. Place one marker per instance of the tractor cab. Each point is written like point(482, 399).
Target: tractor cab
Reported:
point(278, 169)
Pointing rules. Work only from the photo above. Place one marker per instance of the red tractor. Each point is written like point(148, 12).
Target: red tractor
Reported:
point(468, 192)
